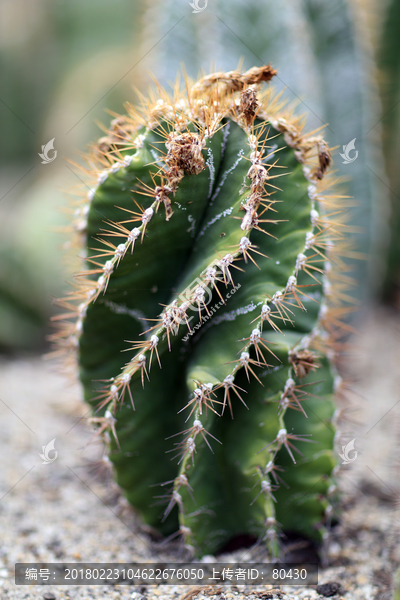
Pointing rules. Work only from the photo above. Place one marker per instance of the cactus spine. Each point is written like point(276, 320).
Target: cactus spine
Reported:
point(214, 248)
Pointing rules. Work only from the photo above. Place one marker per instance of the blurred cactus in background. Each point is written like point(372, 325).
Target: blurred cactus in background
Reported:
point(40, 45)
point(213, 212)
point(56, 61)
point(324, 57)
point(388, 53)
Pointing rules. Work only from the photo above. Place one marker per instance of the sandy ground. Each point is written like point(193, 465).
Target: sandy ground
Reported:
point(63, 512)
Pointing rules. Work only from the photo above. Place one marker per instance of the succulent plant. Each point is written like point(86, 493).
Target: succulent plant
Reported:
point(389, 65)
point(397, 585)
point(209, 311)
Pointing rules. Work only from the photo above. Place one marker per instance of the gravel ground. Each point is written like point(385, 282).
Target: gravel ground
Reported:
point(70, 511)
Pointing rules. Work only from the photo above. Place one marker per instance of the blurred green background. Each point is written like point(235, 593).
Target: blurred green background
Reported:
point(62, 63)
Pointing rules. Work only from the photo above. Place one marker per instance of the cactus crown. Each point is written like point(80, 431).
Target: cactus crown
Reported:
point(214, 259)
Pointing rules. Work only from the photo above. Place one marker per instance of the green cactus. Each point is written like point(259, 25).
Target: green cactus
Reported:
point(388, 56)
point(397, 585)
point(214, 250)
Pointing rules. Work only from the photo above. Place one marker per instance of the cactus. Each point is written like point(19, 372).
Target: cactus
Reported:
point(389, 64)
point(206, 318)
point(397, 585)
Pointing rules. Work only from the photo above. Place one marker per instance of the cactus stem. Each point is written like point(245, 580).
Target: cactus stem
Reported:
point(185, 127)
